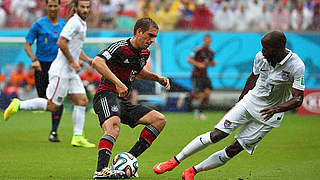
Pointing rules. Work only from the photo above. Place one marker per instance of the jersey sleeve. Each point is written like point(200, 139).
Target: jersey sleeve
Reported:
point(110, 52)
point(194, 53)
point(298, 79)
point(33, 33)
point(70, 29)
point(256, 64)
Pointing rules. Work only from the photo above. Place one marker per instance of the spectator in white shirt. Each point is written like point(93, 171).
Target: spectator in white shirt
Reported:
point(300, 17)
point(223, 19)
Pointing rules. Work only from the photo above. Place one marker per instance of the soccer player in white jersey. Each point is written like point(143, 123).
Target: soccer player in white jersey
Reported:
point(276, 85)
point(63, 77)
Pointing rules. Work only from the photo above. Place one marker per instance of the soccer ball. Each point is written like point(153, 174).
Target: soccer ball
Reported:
point(125, 162)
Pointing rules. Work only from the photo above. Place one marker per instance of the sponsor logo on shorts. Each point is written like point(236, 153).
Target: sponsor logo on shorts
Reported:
point(201, 141)
point(114, 108)
point(227, 123)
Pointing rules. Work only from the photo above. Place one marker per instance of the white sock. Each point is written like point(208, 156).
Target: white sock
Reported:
point(194, 146)
point(78, 118)
point(215, 160)
point(34, 104)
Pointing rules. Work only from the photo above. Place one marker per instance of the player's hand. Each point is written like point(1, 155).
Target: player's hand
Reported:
point(76, 66)
point(81, 63)
point(268, 112)
point(201, 65)
point(164, 82)
point(36, 65)
point(122, 89)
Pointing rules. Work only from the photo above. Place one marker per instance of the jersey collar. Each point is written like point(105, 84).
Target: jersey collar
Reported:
point(81, 20)
point(133, 48)
point(286, 58)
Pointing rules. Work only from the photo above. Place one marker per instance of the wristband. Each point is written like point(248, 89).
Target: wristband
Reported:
point(34, 59)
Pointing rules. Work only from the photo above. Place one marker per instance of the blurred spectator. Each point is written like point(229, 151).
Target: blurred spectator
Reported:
point(242, 19)
point(300, 17)
point(167, 19)
point(21, 11)
point(214, 6)
point(28, 89)
point(309, 4)
point(17, 77)
point(261, 20)
point(125, 20)
point(224, 19)
point(184, 9)
point(280, 18)
point(147, 11)
point(2, 80)
point(3, 15)
point(93, 19)
point(202, 17)
point(108, 14)
point(316, 18)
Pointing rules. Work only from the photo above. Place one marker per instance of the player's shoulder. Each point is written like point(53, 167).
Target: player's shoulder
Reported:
point(43, 20)
point(296, 63)
point(116, 45)
point(259, 56)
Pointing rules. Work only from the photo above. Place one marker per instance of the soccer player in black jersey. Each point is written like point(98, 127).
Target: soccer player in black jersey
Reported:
point(120, 64)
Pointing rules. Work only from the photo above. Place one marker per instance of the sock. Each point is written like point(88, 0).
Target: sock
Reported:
point(105, 149)
point(194, 146)
point(147, 136)
point(34, 104)
point(78, 118)
point(56, 116)
point(215, 160)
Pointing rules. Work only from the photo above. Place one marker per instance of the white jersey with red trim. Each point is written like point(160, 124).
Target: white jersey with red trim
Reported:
point(274, 85)
point(74, 31)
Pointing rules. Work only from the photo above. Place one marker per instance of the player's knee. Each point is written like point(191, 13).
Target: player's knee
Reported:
point(216, 135)
point(52, 107)
point(161, 119)
point(83, 101)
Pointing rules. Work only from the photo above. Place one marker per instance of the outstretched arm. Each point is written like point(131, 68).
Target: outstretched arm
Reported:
point(147, 75)
point(250, 84)
point(294, 102)
point(85, 58)
point(99, 64)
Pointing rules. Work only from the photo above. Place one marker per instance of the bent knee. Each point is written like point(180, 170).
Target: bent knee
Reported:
point(83, 101)
point(52, 107)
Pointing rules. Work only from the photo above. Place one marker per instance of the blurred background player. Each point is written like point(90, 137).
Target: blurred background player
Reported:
point(46, 31)
point(276, 85)
point(63, 77)
point(120, 64)
point(201, 58)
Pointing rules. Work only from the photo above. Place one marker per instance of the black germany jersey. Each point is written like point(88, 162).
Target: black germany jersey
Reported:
point(201, 54)
point(124, 61)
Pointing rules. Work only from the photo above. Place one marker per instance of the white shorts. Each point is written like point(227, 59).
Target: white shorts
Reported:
point(59, 88)
point(252, 130)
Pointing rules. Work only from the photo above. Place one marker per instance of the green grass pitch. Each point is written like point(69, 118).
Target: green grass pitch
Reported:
point(289, 152)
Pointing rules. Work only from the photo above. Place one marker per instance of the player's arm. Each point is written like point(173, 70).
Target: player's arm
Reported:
point(63, 45)
point(99, 64)
point(294, 102)
point(250, 84)
point(35, 61)
point(85, 58)
point(196, 63)
point(147, 75)
point(212, 63)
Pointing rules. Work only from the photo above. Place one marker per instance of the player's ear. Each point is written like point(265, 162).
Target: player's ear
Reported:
point(139, 31)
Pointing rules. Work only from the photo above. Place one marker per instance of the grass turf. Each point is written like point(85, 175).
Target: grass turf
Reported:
point(289, 152)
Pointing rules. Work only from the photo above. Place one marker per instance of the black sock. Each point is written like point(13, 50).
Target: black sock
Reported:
point(56, 116)
point(147, 136)
point(105, 149)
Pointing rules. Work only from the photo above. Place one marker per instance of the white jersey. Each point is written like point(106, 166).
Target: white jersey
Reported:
point(274, 85)
point(75, 31)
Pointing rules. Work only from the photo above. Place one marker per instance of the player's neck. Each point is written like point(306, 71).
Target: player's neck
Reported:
point(133, 42)
point(53, 20)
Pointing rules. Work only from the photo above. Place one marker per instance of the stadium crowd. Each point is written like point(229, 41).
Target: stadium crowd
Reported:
point(218, 15)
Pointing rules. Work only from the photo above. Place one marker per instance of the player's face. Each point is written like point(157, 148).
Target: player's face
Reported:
point(53, 8)
point(83, 9)
point(270, 53)
point(207, 41)
point(145, 39)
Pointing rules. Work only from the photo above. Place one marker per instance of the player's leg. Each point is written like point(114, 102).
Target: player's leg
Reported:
point(110, 123)
point(197, 89)
point(246, 139)
point(236, 117)
point(42, 81)
point(154, 121)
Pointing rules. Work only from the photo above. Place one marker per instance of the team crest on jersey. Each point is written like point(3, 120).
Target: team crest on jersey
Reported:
point(114, 108)
point(285, 75)
point(227, 123)
point(107, 55)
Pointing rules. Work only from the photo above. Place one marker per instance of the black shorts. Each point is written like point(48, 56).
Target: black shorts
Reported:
point(200, 83)
point(107, 104)
point(42, 79)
